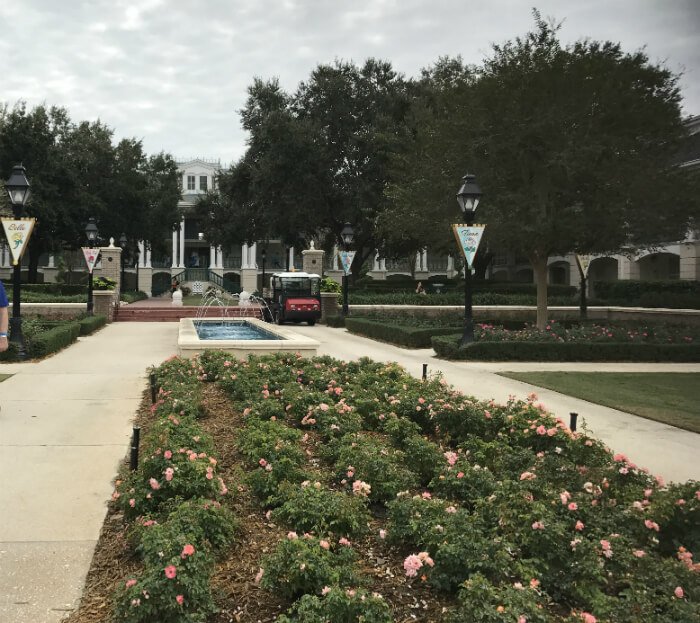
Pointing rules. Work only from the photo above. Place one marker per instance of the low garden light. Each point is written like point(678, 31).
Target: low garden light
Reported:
point(347, 235)
point(18, 190)
point(92, 234)
point(468, 197)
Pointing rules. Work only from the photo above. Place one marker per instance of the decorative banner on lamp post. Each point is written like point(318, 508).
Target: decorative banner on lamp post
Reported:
point(18, 232)
point(584, 263)
point(346, 258)
point(91, 256)
point(468, 238)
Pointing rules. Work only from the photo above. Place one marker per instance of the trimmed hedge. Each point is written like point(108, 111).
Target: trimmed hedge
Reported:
point(56, 338)
point(132, 297)
point(399, 334)
point(55, 288)
point(89, 324)
point(447, 347)
point(336, 321)
point(636, 289)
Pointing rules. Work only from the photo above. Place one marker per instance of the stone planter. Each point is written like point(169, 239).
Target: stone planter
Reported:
point(329, 305)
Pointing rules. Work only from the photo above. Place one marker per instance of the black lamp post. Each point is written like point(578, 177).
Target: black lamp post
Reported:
point(92, 233)
point(263, 255)
point(347, 235)
point(122, 243)
point(468, 197)
point(18, 190)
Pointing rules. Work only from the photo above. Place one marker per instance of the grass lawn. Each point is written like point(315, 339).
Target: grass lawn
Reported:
point(4, 376)
point(671, 398)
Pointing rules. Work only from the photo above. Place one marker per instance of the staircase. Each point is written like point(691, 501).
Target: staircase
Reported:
point(169, 313)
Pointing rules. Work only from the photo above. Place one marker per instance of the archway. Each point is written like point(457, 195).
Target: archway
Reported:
point(659, 267)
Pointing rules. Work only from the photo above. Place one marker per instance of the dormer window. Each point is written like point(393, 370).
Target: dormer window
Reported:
point(203, 182)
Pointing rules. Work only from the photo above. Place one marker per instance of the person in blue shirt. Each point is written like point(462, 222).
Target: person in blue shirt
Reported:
point(4, 318)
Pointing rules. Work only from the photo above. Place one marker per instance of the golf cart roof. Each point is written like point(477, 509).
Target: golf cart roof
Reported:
point(296, 274)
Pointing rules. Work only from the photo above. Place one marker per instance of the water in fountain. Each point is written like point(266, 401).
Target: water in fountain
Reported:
point(212, 297)
point(267, 313)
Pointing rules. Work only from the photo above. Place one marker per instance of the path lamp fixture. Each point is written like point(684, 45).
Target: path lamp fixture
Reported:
point(18, 189)
point(348, 236)
point(468, 197)
point(263, 255)
point(92, 234)
point(123, 241)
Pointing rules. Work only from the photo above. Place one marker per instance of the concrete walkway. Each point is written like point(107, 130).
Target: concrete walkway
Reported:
point(65, 425)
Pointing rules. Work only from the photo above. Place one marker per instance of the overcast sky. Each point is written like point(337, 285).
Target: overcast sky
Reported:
point(174, 72)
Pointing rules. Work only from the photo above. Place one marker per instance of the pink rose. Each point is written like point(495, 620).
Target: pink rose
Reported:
point(170, 572)
point(180, 599)
point(678, 592)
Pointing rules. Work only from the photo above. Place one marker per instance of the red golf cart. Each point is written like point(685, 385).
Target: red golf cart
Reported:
point(295, 297)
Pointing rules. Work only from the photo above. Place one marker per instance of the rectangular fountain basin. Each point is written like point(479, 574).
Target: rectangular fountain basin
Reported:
point(260, 338)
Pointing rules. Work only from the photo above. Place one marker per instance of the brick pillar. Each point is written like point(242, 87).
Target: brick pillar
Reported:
point(313, 260)
point(690, 260)
point(329, 305)
point(104, 303)
point(111, 257)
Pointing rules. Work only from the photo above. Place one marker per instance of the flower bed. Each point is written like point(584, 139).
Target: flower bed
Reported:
point(380, 487)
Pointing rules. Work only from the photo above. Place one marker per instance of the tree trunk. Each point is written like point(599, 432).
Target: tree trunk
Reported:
point(539, 267)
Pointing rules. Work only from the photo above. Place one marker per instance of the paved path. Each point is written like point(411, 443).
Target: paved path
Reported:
point(65, 425)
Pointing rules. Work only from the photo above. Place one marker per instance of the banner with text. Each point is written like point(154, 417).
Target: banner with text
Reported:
point(346, 258)
point(91, 256)
point(584, 262)
point(18, 232)
point(468, 238)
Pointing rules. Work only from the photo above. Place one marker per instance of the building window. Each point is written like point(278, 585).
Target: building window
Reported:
point(202, 182)
point(190, 182)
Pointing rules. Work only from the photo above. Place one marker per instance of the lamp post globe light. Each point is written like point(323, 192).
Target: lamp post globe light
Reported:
point(348, 236)
point(92, 234)
point(18, 189)
point(123, 241)
point(468, 197)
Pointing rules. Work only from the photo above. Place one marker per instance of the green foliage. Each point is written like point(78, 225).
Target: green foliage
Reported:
point(395, 333)
point(265, 441)
point(306, 565)
point(53, 339)
point(132, 297)
point(335, 321)
point(447, 347)
point(103, 283)
point(340, 606)
point(369, 459)
point(312, 507)
point(90, 324)
point(330, 285)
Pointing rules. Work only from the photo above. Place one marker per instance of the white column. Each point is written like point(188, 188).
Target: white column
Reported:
point(418, 261)
point(291, 258)
point(254, 255)
point(148, 255)
point(142, 254)
point(382, 264)
point(182, 244)
point(5, 256)
point(244, 255)
point(212, 257)
point(450, 263)
point(375, 265)
point(173, 263)
point(220, 258)
point(335, 258)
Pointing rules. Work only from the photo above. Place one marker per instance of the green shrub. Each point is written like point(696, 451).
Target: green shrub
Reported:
point(339, 606)
point(46, 342)
point(335, 321)
point(132, 297)
point(175, 583)
point(395, 333)
point(89, 324)
point(447, 347)
point(266, 441)
point(103, 283)
point(312, 507)
point(369, 459)
point(306, 565)
point(633, 290)
point(55, 288)
point(268, 481)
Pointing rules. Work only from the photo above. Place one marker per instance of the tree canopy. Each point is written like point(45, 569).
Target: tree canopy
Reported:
point(77, 172)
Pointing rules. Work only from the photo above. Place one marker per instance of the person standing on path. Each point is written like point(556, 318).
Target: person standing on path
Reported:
point(4, 318)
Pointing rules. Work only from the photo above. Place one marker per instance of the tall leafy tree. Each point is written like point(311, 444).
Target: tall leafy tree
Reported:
point(573, 147)
point(318, 158)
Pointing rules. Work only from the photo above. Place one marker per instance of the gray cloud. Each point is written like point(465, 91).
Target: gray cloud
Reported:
point(174, 72)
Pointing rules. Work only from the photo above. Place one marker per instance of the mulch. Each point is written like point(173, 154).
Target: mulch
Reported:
point(237, 595)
